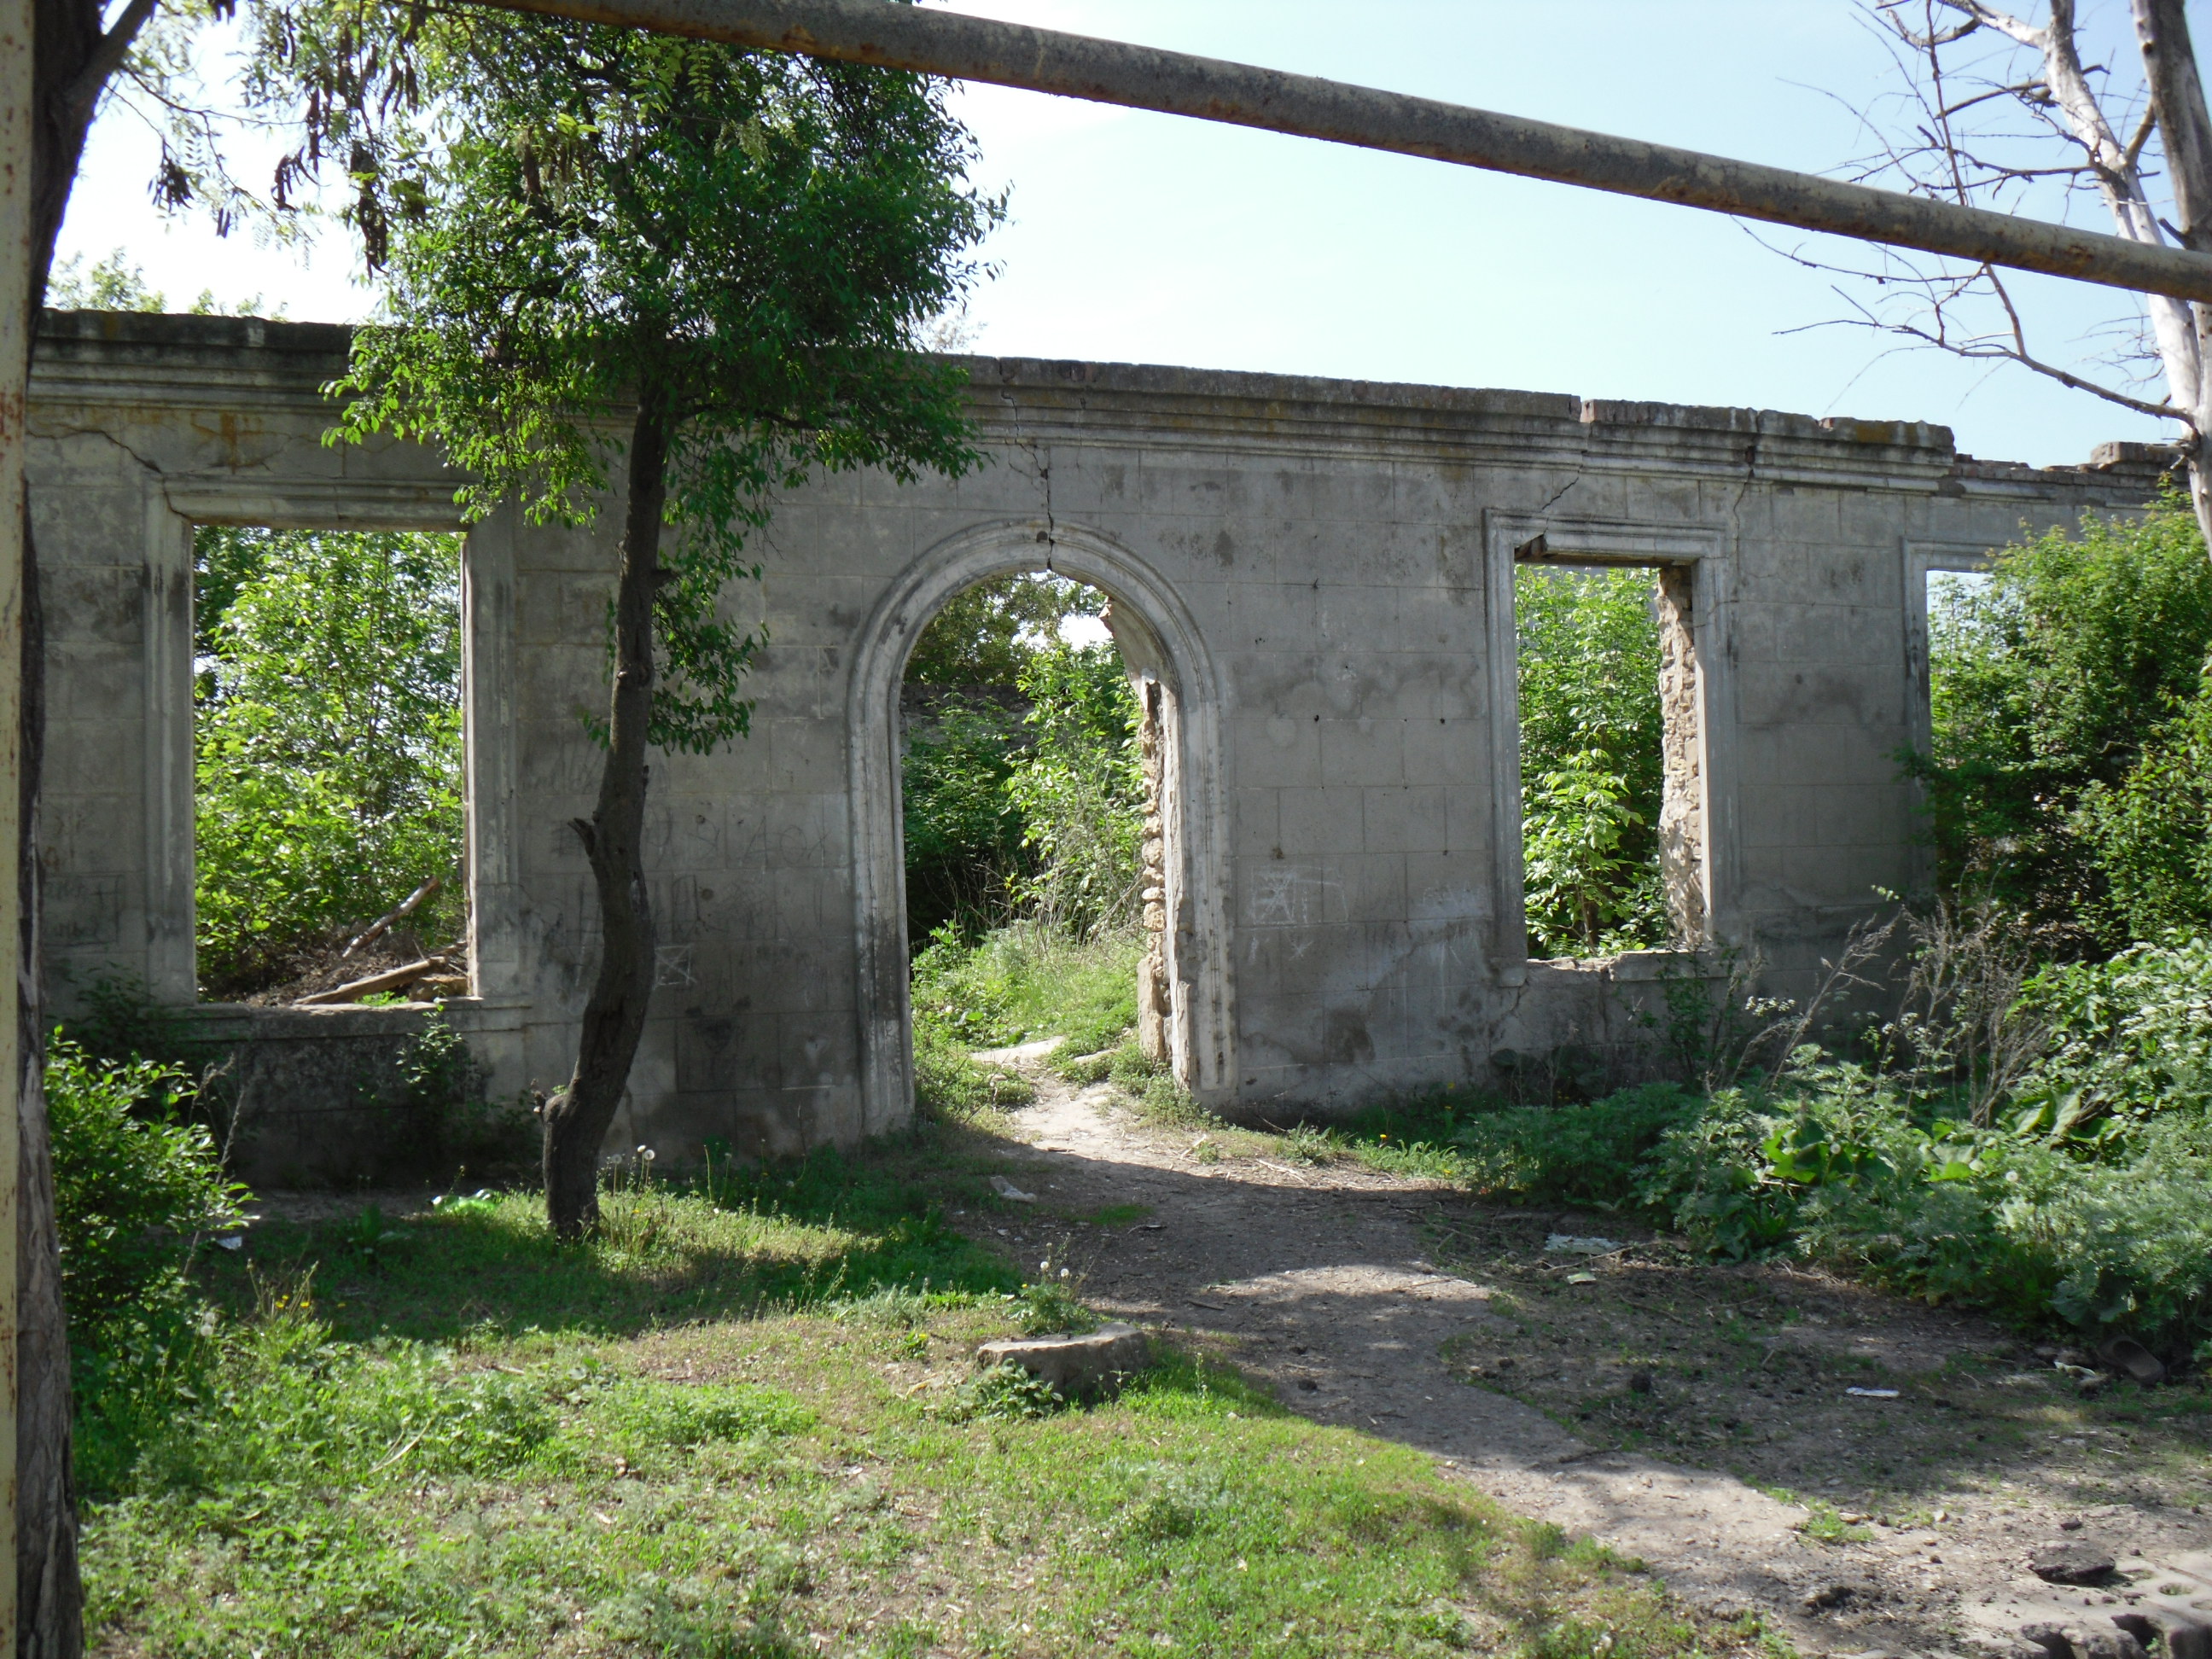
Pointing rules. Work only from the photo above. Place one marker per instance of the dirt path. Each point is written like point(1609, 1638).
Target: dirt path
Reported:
point(1700, 1418)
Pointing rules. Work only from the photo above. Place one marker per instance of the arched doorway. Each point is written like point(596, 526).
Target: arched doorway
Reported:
point(1178, 696)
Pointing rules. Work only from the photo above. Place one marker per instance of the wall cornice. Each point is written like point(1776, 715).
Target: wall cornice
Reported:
point(108, 359)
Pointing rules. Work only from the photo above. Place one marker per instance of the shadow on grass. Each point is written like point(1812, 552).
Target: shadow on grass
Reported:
point(720, 1244)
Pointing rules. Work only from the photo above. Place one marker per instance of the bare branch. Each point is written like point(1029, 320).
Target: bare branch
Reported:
point(2144, 128)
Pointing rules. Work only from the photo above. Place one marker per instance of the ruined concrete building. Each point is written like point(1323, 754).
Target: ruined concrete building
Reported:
point(1312, 580)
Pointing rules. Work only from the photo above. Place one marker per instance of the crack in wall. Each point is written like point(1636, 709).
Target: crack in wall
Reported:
point(45, 434)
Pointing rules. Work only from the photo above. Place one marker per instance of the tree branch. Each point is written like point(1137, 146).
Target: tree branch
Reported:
point(107, 57)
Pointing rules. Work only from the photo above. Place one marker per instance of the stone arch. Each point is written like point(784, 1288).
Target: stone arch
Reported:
point(1158, 638)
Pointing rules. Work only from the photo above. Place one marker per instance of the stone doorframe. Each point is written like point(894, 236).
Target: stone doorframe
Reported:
point(1158, 636)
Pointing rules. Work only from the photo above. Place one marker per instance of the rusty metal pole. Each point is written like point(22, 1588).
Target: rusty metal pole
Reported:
point(933, 42)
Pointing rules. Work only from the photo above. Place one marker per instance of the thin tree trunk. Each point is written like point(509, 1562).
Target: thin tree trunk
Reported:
point(2177, 327)
point(577, 1118)
point(2177, 94)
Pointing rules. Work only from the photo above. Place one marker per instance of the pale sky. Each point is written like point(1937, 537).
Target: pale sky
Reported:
point(1145, 238)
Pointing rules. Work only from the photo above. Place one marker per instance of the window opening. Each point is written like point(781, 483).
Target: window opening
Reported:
point(328, 751)
point(1032, 777)
point(1951, 624)
point(1612, 797)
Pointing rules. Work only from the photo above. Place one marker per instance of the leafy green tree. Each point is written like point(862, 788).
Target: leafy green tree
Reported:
point(2056, 780)
point(1581, 881)
point(734, 253)
point(328, 737)
point(986, 635)
point(1591, 771)
point(1080, 789)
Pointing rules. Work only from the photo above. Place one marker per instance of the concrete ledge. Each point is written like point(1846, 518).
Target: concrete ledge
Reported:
point(1080, 1367)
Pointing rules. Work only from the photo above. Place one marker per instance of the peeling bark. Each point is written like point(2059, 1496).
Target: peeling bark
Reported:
point(2177, 94)
point(578, 1118)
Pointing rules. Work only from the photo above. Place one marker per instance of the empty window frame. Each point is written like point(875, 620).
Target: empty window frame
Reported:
point(328, 819)
point(1612, 754)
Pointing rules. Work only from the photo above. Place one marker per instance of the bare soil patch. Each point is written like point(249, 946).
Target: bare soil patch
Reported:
point(1699, 1416)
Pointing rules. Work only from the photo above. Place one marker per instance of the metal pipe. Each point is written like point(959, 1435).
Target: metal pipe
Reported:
point(908, 37)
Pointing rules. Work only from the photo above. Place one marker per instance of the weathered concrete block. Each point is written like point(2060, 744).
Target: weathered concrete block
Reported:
point(1324, 570)
point(1080, 1367)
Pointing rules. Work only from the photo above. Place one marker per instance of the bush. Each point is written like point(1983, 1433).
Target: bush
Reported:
point(2131, 1246)
point(2050, 685)
point(1588, 1153)
point(988, 682)
point(1834, 1164)
point(964, 833)
point(2128, 1039)
point(136, 1189)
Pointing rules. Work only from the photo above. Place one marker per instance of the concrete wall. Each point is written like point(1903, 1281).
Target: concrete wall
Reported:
point(1319, 573)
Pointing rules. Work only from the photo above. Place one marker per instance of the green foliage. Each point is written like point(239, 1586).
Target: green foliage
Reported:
point(950, 1085)
point(138, 1190)
point(1591, 735)
point(328, 738)
point(1023, 786)
point(1836, 1164)
point(137, 1187)
point(457, 1126)
point(120, 1020)
point(1589, 1153)
point(1014, 985)
point(2150, 834)
point(1023, 982)
point(744, 245)
point(1584, 887)
point(1080, 789)
point(117, 282)
point(986, 635)
point(2066, 762)
point(2127, 1040)
point(964, 843)
point(1051, 1307)
point(292, 1404)
point(1005, 1392)
point(1153, 1088)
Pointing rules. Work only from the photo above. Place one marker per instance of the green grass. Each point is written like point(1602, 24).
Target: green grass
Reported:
point(741, 1422)
point(1021, 983)
point(1823, 1521)
point(951, 1087)
point(733, 1244)
point(1014, 986)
